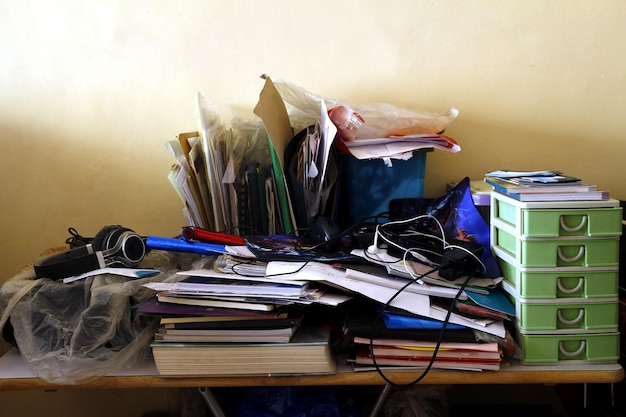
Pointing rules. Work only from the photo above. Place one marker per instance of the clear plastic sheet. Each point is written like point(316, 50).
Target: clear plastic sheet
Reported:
point(71, 333)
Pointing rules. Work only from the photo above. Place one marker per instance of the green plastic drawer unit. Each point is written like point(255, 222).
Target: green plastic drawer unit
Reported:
point(589, 317)
point(553, 253)
point(560, 283)
point(570, 348)
point(557, 219)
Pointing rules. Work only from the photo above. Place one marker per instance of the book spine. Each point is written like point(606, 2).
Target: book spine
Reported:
point(503, 189)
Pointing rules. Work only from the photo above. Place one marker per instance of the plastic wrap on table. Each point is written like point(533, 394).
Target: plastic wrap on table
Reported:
point(71, 333)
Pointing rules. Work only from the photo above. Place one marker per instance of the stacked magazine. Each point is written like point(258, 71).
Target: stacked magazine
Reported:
point(543, 186)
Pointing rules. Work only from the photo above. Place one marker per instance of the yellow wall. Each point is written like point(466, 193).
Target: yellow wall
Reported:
point(91, 90)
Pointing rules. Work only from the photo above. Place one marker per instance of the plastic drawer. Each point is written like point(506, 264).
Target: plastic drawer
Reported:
point(558, 349)
point(542, 317)
point(560, 283)
point(557, 219)
point(553, 253)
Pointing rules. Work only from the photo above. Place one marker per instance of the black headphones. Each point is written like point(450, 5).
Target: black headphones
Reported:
point(113, 246)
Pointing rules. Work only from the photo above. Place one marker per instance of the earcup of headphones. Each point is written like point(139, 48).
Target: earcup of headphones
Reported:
point(102, 239)
point(128, 247)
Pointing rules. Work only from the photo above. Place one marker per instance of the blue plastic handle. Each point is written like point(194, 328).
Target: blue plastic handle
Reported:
point(178, 245)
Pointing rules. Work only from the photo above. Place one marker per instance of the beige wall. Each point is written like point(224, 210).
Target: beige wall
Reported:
point(91, 90)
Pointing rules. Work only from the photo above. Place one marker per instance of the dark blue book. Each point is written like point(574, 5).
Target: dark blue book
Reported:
point(153, 307)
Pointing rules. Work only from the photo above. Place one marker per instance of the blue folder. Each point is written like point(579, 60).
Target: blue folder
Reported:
point(399, 321)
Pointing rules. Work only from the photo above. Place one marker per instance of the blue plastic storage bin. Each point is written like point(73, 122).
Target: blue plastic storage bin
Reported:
point(370, 184)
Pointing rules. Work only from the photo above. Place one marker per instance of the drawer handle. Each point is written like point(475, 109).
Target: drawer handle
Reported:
point(581, 252)
point(564, 290)
point(581, 314)
point(567, 228)
point(570, 354)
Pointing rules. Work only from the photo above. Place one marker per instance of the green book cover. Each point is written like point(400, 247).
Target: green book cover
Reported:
point(281, 190)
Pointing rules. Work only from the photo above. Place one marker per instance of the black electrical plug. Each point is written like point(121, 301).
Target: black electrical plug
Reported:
point(461, 261)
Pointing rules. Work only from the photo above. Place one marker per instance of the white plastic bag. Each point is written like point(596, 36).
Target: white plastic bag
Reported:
point(381, 120)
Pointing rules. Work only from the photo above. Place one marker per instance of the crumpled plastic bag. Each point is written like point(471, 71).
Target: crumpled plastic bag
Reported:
point(381, 120)
point(70, 333)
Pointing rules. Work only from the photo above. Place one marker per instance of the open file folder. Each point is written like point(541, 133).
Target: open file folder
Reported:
point(231, 180)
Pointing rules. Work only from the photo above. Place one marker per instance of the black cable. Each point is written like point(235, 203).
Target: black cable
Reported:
point(439, 340)
point(75, 240)
point(302, 238)
point(306, 262)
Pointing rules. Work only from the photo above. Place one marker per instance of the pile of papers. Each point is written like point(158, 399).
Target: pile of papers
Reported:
point(256, 304)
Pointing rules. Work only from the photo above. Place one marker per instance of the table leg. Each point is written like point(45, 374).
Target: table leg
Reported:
point(211, 402)
point(380, 401)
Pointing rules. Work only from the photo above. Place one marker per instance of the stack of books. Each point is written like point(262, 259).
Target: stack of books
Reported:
point(218, 324)
point(240, 326)
point(243, 349)
point(403, 354)
point(214, 341)
point(400, 341)
point(543, 186)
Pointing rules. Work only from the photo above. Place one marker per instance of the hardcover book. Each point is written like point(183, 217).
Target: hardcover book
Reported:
point(227, 335)
point(308, 352)
point(179, 312)
point(560, 196)
point(230, 322)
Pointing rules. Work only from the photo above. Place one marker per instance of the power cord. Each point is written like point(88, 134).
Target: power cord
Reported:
point(75, 240)
point(424, 254)
point(457, 258)
point(421, 253)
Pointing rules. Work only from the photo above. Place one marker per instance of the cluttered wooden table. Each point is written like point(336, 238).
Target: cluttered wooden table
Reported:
point(14, 375)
